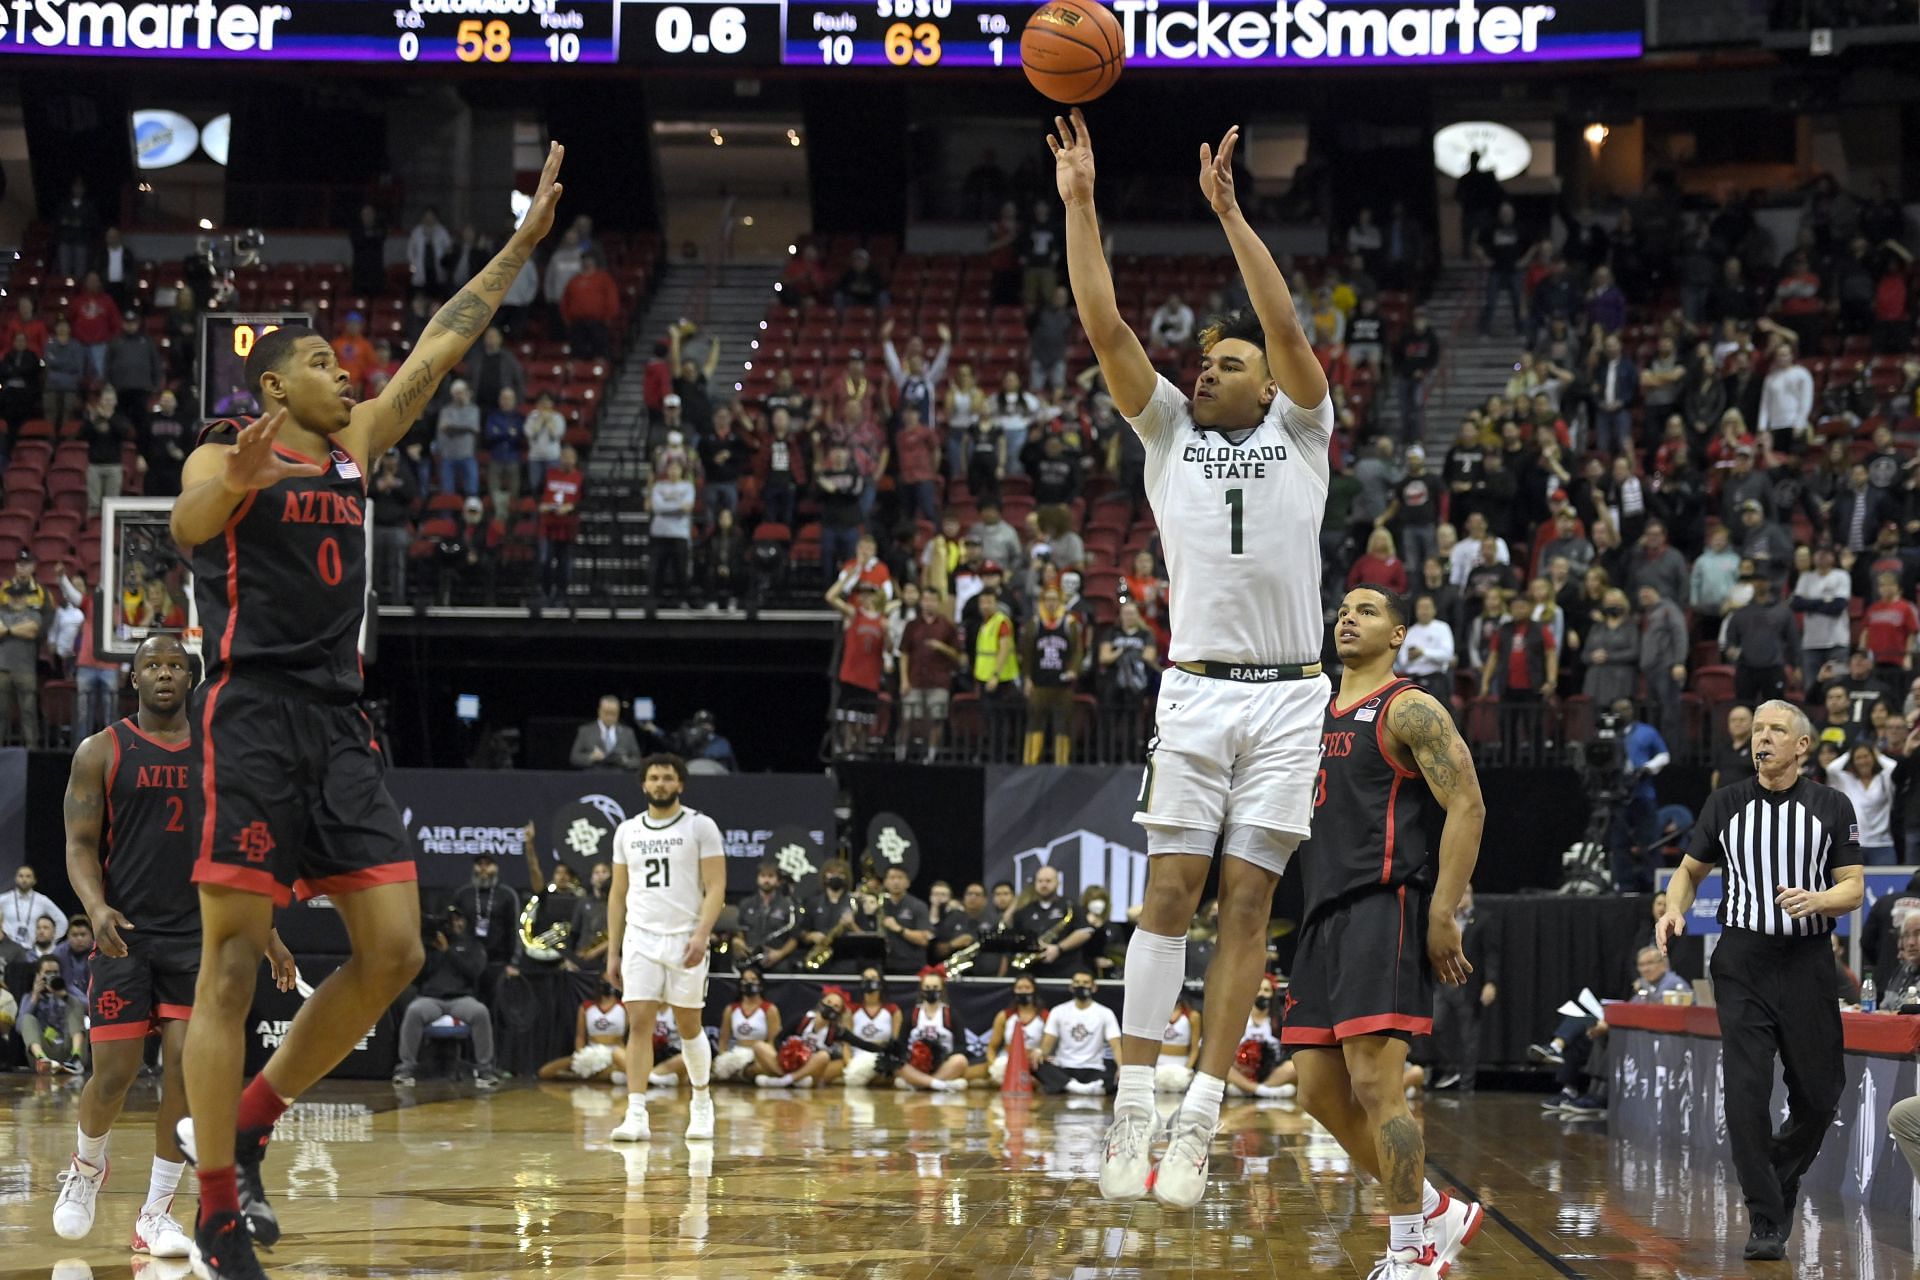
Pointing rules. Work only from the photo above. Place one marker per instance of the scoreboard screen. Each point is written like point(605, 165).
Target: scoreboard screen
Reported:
point(226, 340)
point(907, 35)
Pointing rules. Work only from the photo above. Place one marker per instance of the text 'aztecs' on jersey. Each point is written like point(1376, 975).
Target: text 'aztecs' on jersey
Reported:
point(663, 868)
point(1240, 528)
point(286, 587)
point(148, 847)
point(1367, 831)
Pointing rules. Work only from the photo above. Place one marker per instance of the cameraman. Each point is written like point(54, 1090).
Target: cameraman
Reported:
point(1636, 823)
point(53, 1021)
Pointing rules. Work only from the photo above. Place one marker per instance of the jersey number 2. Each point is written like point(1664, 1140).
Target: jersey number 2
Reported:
point(176, 814)
point(1236, 500)
point(658, 874)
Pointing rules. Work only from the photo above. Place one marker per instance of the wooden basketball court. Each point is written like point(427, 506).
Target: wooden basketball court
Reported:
point(891, 1186)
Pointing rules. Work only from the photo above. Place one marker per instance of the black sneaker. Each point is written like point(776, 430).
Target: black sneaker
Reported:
point(486, 1078)
point(1790, 1193)
point(403, 1078)
point(223, 1250)
point(1546, 1053)
point(249, 1149)
point(1767, 1243)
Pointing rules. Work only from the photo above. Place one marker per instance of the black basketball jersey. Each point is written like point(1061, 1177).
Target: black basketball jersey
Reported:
point(147, 848)
point(285, 588)
point(1366, 807)
point(1052, 646)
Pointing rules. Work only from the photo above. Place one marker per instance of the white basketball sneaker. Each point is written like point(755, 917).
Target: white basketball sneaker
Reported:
point(1452, 1227)
point(700, 1117)
point(79, 1188)
point(635, 1128)
point(1128, 1159)
point(1408, 1264)
point(158, 1236)
point(1180, 1179)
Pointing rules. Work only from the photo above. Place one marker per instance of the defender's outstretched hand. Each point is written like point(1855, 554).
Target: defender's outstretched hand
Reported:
point(1072, 148)
point(1216, 173)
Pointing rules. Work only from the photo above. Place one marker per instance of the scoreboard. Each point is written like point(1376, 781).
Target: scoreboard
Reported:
point(761, 34)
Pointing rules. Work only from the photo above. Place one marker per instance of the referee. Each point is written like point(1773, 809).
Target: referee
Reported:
point(1790, 853)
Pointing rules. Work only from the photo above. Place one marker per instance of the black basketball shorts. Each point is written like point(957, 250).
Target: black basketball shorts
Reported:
point(153, 983)
point(293, 798)
point(1361, 970)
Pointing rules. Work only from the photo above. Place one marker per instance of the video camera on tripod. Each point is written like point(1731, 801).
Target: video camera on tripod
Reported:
point(1601, 762)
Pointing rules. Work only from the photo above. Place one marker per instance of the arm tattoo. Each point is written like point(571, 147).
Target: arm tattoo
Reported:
point(1402, 1158)
point(413, 392)
point(498, 275)
point(1433, 740)
point(466, 314)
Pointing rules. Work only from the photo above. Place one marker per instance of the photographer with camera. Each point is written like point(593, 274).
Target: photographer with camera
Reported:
point(1642, 754)
point(449, 985)
point(53, 1021)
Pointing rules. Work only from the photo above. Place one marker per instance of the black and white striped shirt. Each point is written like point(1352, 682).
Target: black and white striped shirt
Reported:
point(1765, 841)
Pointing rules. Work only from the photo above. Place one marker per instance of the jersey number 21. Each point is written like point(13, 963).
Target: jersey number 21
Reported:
point(656, 873)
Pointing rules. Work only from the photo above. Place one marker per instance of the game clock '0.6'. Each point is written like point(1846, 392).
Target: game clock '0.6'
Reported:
point(689, 32)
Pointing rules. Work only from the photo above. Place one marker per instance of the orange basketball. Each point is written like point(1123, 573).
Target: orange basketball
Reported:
point(1072, 50)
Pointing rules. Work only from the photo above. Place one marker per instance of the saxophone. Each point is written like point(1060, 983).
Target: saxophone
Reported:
point(551, 943)
point(823, 951)
point(1027, 959)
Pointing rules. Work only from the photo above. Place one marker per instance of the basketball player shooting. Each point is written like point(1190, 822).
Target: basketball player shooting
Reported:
point(1237, 476)
point(1376, 936)
point(127, 795)
point(669, 885)
point(291, 796)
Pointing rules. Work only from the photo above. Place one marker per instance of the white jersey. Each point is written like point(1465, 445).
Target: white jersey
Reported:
point(663, 869)
point(1260, 1027)
point(748, 1027)
point(1240, 529)
point(610, 1023)
point(877, 1026)
point(931, 1022)
point(1082, 1034)
point(1034, 1028)
point(1178, 1037)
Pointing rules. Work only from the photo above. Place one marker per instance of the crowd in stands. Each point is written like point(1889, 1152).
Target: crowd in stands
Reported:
point(98, 398)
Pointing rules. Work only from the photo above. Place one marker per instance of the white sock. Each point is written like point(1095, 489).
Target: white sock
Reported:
point(1429, 1200)
point(1266, 1091)
point(1203, 1097)
point(1135, 1089)
point(91, 1150)
point(699, 1055)
point(1406, 1231)
point(1084, 1086)
point(161, 1184)
point(1156, 970)
point(773, 1082)
point(636, 1104)
point(662, 1077)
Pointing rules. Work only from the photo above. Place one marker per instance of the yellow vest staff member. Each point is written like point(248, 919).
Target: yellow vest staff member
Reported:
point(996, 660)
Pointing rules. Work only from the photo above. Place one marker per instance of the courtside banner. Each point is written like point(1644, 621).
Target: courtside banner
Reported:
point(453, 815)
point(1077, 820)
point(1315, 33)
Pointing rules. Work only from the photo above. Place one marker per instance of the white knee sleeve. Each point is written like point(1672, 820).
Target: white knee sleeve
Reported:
point(1156, 970)
point(1262, 846)
point(699, 1055)
point(1191, 840)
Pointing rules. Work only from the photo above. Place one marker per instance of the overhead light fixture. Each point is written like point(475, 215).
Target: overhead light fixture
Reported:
point(792, 249)
point(718, 140)
point(206, 224)
point(1596, 135)
point(746, 222)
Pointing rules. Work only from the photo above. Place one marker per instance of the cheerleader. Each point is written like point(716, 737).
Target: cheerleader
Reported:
point(811, 1055)
point(875, 1031)
point(1257, 1069)
point(749, 1030)
point(1028, 1016)
point(934, 1060)
point(669, 1066)
point(599, 1042)
point(1179, 1050)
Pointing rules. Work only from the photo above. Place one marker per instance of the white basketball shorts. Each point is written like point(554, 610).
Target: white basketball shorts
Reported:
point(1226, 752)
point(650, 969)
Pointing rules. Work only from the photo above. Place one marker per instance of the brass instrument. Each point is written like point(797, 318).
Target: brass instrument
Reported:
point(823, 951)
point(962, 960)
point(549, 945)
point(1027, 959)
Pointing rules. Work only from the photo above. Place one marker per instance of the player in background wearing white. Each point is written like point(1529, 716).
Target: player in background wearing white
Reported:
point(669, 883)
point(1238, 481)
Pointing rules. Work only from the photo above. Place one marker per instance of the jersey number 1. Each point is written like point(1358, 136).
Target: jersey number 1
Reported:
point(658, 874)
point(1235, 499)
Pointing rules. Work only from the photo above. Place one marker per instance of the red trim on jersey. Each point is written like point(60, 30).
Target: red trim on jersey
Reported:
point(118, 1031)
point(207, 792)
point(233, 573)
point(172, 1012)
point(297, 456)
point(181, 745)
point(1334, 702)
point(1379, 1022)
point(1386, 854)
point(1380, 733)
point(245, 879)
point(355, 881)
point(1312, 1037)
point(113, 774)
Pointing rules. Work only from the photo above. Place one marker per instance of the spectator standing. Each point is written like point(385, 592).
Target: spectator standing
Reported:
point(427, 247)
point(354, 350)
point(22, 380)
point(841, 488)
point(23, 907)
point(1048, 329)
point(1040, 246)
point(1128, 658)
point(1415, 510)
point(1889, 627)
point(918, 448)
point(106, 433)
point(66, 369)
point(999, 541)
point(496, 366)
point(562, 492)
point(1786, 398)
point(930, 658)
point(1478, 193)
point(804, 282)
point(1636, 824)
point(863, 653)
point(1457, 1010)
point(671, 502)
point(1663, 656)
point(368, 240)
point(393, 494)
point(1733, 760)
point(546, 432)
point(590, 308)
point(26, 320)
point(724, 458)
point(75, 227)
point(860, 285)
point(1428, 655)
point(1051, 653)
point(1866, 777)
point(1715, 574)
point(521, 294)
point(916, 383)
point(563, 264)
point(1611, 652)
point(1760, 642)
point(723, 561)
point(781, 465)
point(117, 268)
point(1367, 334)
point(449, 986)
point(905, 924)
point(965, 403)
point(24, 611)
point(1821, 597)
point(1616, 387)
point(169, 438)
point(1172, 323)
point(1499, 248)
point(1606, 304)
point(95, 318)
point(1858, 510)
point(1013, 413)
point(1658, 565)
point(469, 255)
point(1379, 565)
point(504, 435)
point(456, 439)
point(1527, 670)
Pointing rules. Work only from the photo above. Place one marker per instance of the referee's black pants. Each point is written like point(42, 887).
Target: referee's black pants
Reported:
point(1777, 996)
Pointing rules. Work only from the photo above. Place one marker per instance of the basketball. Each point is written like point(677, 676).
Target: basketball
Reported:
point(1072, 50)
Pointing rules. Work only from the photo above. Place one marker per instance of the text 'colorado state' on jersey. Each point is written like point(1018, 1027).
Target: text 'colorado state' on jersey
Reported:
point(1240, 528)
point(663, 869)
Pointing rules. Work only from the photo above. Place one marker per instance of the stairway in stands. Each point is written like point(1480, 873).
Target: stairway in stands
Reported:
point(1471, 367)
point(612, 563)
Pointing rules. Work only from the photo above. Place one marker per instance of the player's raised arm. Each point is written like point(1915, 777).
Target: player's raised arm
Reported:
point(1130, 375)
point(379, 424)
point(1289, 354)
point(1419, 723)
